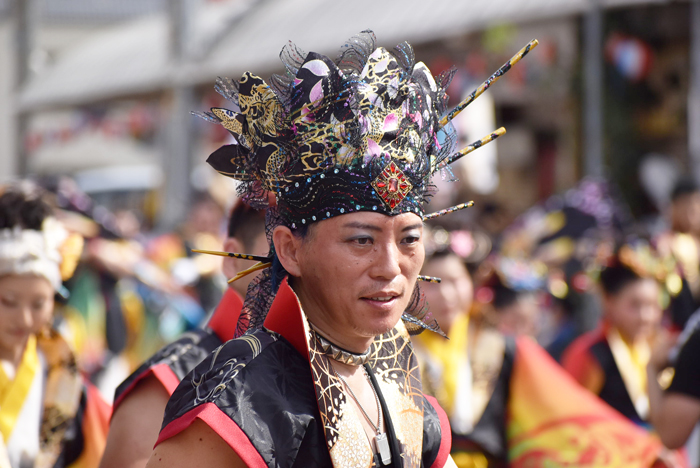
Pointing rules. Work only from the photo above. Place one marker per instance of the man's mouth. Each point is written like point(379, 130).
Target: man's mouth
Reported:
point(382, 300)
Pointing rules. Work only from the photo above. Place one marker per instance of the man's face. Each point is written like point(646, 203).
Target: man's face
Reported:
point(357, 271)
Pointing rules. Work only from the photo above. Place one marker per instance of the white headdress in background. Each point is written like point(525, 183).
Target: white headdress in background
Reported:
point(27, 251)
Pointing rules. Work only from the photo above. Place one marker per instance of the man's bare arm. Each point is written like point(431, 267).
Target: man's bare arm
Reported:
point(673, 415)
point(198, 446)
point(135, 426)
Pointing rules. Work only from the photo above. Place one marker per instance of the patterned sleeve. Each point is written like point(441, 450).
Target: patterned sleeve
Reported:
point(171, 363)
point(240, 391)
point(437, 435)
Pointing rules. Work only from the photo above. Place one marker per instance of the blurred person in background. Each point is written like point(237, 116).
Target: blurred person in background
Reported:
point(611, 360)
point(469, 373)
point(516, 311)
point(675, 406)
point(139, 402)
point(508, 402)
point(197, 275)
point(683, 242)
point(49, 415)
point(570, 287)
point(566, 238)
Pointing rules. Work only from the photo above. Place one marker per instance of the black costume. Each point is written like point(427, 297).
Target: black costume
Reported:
point(271, 395)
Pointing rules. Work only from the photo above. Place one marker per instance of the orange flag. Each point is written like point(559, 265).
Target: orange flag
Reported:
point(554, 422)
point(95, 427)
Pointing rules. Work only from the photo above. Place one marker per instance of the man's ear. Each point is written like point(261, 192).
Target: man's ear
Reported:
point(230, 265)
point(287, 247)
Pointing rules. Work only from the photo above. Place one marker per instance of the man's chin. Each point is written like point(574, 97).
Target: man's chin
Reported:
point(381, 325)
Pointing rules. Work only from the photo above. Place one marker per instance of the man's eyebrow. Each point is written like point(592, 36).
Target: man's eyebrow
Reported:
point(375, 228)
point(356, 225)
point(412, 226)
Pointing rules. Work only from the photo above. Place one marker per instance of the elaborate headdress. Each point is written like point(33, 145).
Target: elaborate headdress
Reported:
point(364, 132)
point(31, 240)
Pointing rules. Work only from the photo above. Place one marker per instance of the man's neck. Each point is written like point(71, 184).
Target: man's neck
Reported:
point(337, 335)
point(357, 345)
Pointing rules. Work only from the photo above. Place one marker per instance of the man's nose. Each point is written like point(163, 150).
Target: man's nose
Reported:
point(387, 264)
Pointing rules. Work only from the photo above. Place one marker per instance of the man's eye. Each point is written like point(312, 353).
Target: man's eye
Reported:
point(8, 303)
point(363, 241)
point(411, 239)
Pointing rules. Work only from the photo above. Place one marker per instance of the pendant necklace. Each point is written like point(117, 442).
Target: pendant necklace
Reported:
point(381, 442)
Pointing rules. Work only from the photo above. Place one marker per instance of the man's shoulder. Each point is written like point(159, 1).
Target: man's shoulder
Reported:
point(260, 364)
point(241, 390)
point(172, 362)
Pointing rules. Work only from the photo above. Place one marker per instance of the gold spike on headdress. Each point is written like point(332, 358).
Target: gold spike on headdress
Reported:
point(258, 258)
point(487, 84)
point(263, 262)
point(476, 145)
point(452, 209)
point(429, 279)
point(258, 266)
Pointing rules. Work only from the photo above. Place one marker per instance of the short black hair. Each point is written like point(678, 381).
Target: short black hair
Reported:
point(614, 278)
point(684, 186)
point(246, 224)
point(504, 296)
point(23, 207)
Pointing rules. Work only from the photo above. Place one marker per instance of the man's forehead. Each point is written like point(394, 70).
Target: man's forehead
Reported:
point(374, 221)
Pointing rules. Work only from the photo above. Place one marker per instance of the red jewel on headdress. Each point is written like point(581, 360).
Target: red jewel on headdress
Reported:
point(391, 185)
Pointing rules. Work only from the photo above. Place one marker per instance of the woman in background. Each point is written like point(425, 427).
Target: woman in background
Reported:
point(611, 360)
point(49, 417)
point(469, 373)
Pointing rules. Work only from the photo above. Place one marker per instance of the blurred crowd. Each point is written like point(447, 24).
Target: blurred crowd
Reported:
point(574, 276)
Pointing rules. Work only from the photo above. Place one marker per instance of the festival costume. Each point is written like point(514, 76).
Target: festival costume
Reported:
point(363, 133)
point(241, 390)
point(476, 403)
point(172, 363)
point(46, 386)
point(528, 412)
point(615, 371)
point(74, 417)
point(684, 248)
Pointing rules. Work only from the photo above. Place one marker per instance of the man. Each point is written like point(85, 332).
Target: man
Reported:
point(140, 400)
point(325, 374)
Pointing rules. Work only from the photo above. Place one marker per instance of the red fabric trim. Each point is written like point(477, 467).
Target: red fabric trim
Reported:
point(577, 359)
point(285, 318)
point(224, 426)
point(162, 372)
point(446, 433)
point(223, 320)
